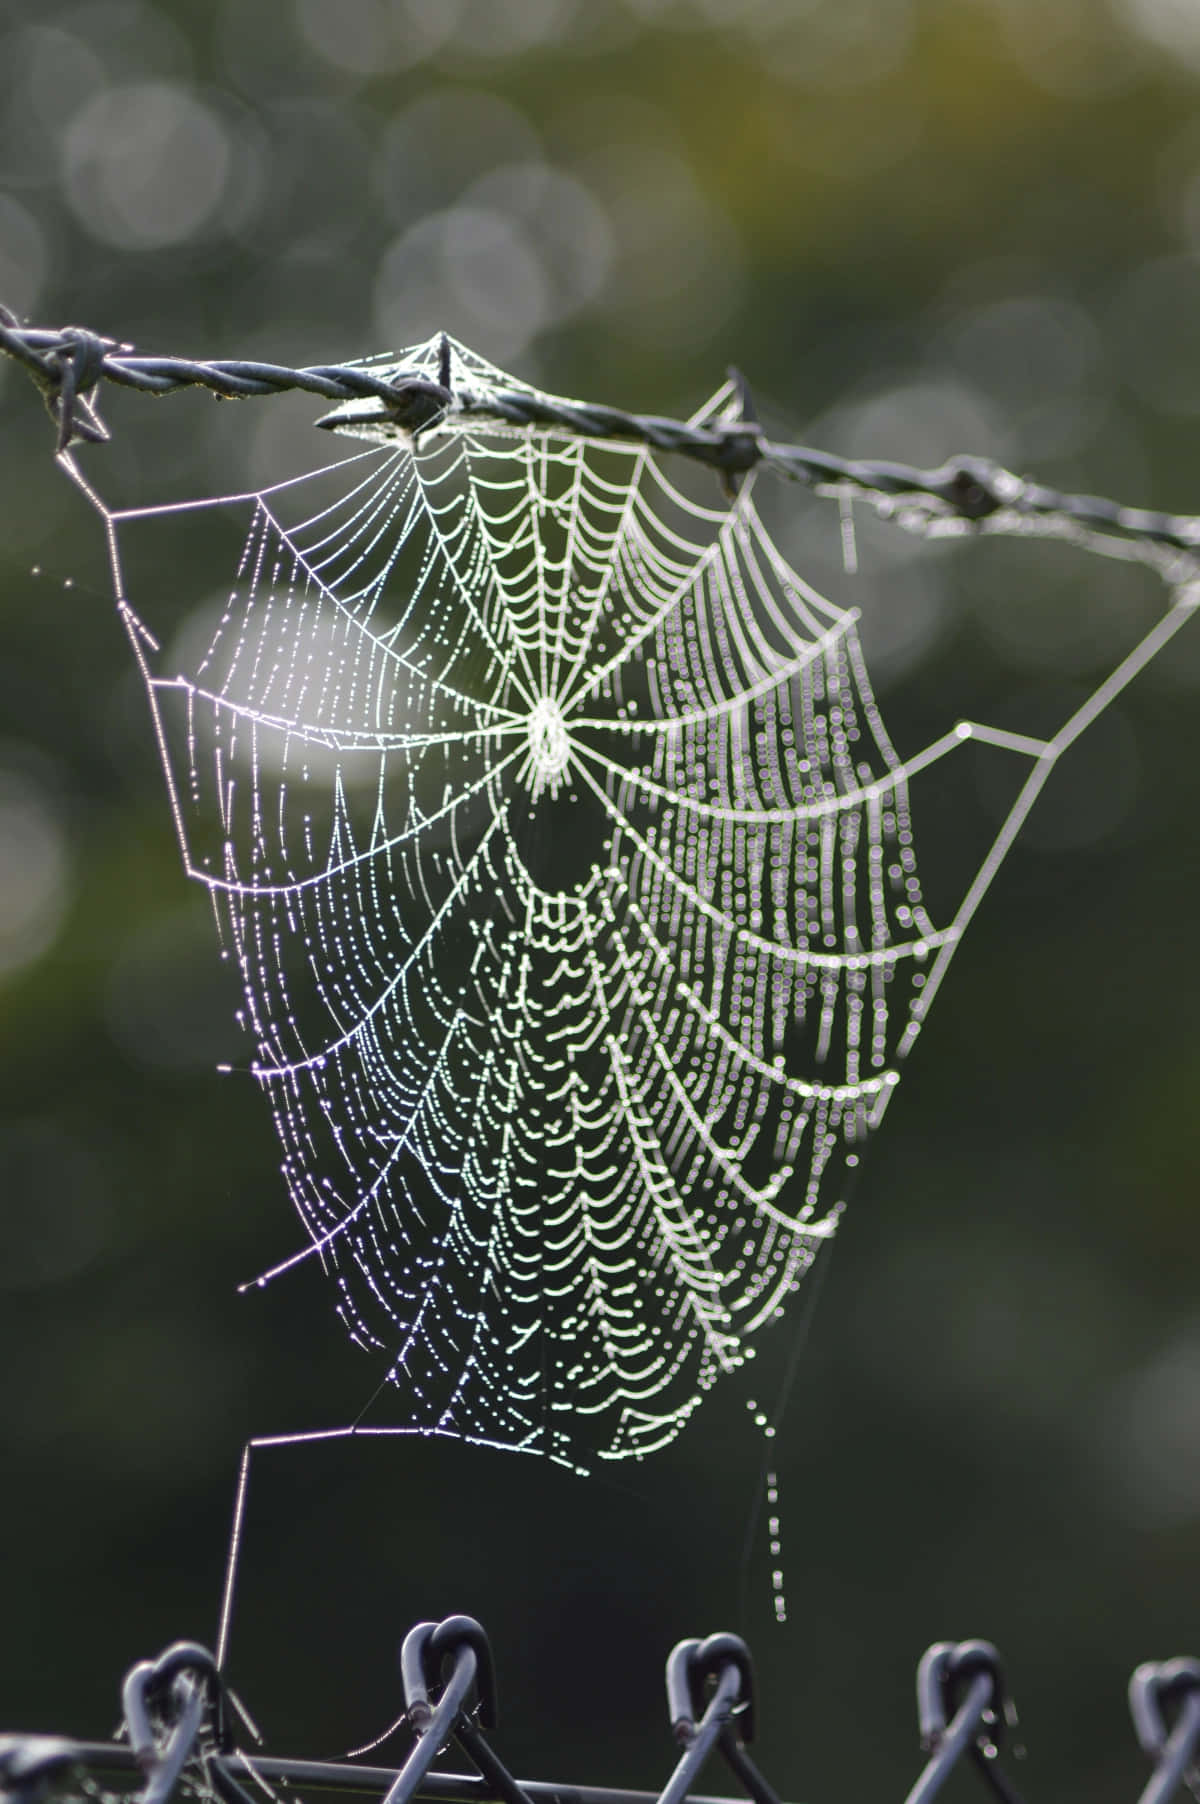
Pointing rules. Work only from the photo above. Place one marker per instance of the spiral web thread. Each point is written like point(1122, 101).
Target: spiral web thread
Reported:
point(553, 825)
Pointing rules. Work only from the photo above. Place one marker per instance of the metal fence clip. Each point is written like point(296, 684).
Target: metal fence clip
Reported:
point(435, 1720)
point(1160, 1690)
point(174, 1708)
point(710, 1701)
point(963, 1708)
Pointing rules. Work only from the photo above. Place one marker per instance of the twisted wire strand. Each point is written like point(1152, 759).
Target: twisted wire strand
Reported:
point(68, 364)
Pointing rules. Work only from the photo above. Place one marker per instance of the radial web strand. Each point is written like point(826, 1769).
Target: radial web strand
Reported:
point(569, 868)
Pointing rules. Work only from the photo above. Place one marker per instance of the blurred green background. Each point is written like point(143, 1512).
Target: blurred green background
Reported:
point(920, 227)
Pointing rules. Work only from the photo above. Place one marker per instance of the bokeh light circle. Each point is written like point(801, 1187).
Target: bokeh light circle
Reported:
point(145, 165)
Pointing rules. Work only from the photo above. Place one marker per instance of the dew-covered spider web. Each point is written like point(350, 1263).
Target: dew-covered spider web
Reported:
point(573, 882)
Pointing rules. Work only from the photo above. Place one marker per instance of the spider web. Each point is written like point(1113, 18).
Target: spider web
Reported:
point(571, 875)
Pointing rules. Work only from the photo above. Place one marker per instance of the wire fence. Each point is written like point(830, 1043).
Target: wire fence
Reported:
point(69, 363)
point(178, 1736)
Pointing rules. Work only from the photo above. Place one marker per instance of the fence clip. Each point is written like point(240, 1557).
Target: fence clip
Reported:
point(175, 1711)
point(436, 1702)
point(963, 1708)
point(1158, 1691)
point(710, 1701)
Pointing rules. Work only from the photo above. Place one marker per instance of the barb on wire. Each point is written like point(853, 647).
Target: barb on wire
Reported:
point(69, 363)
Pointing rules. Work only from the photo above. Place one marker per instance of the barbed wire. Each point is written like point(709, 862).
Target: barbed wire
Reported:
point(69, 363)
